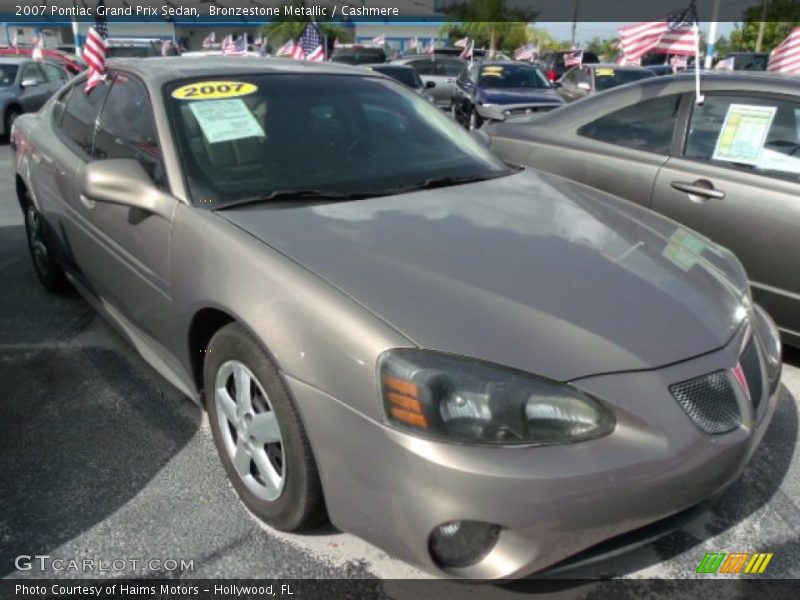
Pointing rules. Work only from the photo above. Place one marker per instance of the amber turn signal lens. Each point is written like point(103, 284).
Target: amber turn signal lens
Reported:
point(411, 418)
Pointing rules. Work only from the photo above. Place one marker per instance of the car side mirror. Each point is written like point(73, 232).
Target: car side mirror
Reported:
point(582, 85)
point(30, 82)
point(430, 84)
point(124, 181)
point(557, 84)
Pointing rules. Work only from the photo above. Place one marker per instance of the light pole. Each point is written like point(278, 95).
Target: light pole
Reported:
point(712, 34)
point(574, 22)
point(762, 25)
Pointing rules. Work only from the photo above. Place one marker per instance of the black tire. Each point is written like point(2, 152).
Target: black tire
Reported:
point(300, 505)
point(49, 272)
point(9, 118)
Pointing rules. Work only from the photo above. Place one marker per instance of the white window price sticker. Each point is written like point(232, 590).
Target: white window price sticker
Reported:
point(743, 133)
point(226, 120)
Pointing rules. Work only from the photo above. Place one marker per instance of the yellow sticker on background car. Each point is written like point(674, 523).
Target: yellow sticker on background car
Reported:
point(605, 72)
point(214, 90)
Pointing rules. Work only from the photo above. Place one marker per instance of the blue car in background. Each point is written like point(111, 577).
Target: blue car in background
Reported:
point(496, 90)
point(25, 85)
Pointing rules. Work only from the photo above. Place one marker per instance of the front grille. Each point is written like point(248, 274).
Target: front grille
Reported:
point(527, 110)
point(752, 372)
point(709, 401)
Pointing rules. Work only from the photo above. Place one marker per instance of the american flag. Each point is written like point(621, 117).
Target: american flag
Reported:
point(210, 40)
point(38, 46)
point(673, 35)
point(286, 50)
point(309, 45)
point(785, 58)
point(234, 48)
point(525, 52)
point(413, 44)
point(379, 41)
point(429, 49)
point(573, 59)
point(94, 50)
point(468, 51)
point(462, 43)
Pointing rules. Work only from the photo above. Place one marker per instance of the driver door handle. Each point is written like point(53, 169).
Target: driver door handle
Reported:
point(699, 191)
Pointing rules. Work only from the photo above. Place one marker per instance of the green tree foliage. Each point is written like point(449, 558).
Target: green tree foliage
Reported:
point(781, 17)
point(604, 48)
point(491, 23)
point(285, 28)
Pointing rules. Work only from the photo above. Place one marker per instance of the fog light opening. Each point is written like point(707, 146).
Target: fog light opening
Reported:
point(457, 544)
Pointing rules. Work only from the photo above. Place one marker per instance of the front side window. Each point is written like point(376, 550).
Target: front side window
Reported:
point(758, 134)
point(340, 134)
point(80, 115)
point(33, 73)
point(648, 125)
point(127, 129)
point(54, 73)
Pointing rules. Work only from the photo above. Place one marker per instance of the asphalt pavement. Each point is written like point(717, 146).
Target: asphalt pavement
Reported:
point(102, 459)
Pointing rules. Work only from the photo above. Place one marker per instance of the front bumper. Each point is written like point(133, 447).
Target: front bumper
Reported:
point(500, 112)
point(393, 489)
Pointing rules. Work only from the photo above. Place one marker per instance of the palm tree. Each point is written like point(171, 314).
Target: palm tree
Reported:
point(487, 21)
point(286, 28)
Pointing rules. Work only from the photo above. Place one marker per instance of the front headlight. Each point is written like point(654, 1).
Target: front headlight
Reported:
point(469, 401)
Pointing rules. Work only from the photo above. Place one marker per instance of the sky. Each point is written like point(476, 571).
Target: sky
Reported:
point(588, 29)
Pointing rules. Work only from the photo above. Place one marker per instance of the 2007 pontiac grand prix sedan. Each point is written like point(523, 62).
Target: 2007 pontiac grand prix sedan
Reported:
point(480, 369)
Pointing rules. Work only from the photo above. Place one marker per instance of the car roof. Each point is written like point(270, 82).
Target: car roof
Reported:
point(417, 56)
point(13, 60)
point(159, 69)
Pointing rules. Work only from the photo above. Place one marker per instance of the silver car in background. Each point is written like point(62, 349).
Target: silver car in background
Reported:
point(650, 143)
point(480, 369)
point(442, 71)
point(25, 85)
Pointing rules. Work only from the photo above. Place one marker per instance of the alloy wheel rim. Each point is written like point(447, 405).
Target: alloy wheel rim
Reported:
point(36, 239)
point(250, 430)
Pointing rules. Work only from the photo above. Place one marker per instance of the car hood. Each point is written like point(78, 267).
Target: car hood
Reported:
point(519, 96)
point(530, 271)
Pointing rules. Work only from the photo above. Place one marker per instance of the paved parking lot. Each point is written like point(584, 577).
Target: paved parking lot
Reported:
point(103, 459)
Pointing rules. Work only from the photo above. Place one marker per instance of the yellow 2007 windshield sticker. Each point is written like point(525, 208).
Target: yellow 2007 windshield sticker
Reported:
point(214, 90)
point(602, 72)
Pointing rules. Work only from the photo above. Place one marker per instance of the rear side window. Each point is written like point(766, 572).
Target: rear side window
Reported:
point(758, 134)
point(647, 125)
point(80, 115)
point(127, 128)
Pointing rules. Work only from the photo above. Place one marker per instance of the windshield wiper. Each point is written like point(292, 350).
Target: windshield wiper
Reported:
point(440, 182)
point(297, 194)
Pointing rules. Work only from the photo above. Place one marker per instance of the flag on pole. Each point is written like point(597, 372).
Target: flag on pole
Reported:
point(231, 47)
point(413, 43)
point(94, 49)
point(209, 40)
point(286, 50)
point(379, 41)
point(785, 58)
point(462, 43)
point(468, 51)
point(309, 45)
point(525, 52)
point(14, 40)
point(674, 34)
point(430, 47)
point(37, 53)
point(574, 58)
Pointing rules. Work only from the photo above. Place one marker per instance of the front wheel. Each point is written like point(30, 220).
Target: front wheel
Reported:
point(258, 433)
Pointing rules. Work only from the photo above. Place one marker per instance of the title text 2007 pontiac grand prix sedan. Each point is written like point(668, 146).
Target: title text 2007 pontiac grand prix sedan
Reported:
point(480, 369)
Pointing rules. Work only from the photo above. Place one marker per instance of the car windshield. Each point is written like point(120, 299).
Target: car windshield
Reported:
point(512, 76)
point(359, 57)
point(607, 78)
point(404, 75)
point(129, 52)
point(8, 75)
point(264, 137)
